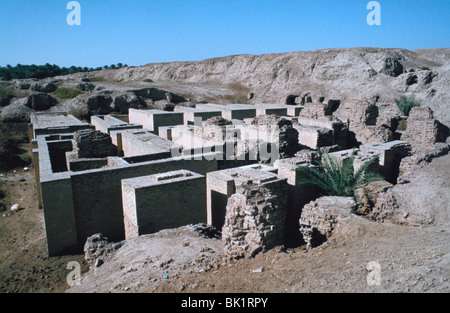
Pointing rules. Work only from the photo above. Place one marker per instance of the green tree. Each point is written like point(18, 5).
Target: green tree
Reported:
point(335, 177)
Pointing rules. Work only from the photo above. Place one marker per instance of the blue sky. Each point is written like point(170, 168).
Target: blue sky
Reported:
point(137, 32)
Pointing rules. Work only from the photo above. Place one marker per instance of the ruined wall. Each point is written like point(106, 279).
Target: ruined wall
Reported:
point(255, 219)
point(423, 131)
point(94, 144)
point(362, 118)
point(321, 218)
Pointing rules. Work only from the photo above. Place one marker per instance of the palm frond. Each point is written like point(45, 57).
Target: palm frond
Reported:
point(337, 177)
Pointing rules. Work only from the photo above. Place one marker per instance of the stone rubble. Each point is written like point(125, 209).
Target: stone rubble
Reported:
point(255, 219)
point(94, 144)
point(325, 216)
point(98, 249)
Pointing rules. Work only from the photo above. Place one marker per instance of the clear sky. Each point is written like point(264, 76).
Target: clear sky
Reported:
point(136, 32)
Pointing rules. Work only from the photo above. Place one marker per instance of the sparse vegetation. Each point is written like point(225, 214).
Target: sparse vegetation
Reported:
point(11, 136)
point(405, 104)
point(336, 178)
point(5, 97)
point(43, 71)
point(67, 93)
point(241, 101)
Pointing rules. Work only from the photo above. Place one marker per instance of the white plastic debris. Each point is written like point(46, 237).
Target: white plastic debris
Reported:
point(15, 207)
point(25, 169)
point(258, 270)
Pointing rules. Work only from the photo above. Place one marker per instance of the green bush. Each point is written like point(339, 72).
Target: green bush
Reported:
point(67, 93)
point(148, 80)
point(5, 97)
point(12, 135)
point(337, 178)
point(26, 158)
point(405, 104)
point(241, 101)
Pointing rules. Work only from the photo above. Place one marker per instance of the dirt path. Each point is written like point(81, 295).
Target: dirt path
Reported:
point(24, 265)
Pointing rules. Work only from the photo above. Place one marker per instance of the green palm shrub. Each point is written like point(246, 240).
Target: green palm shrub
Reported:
point(339, 178)
point(405, 104)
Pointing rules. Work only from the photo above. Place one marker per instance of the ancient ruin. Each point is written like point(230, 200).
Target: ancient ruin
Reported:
point(231, 166)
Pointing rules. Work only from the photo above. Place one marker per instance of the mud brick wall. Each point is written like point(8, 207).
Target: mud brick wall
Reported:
point(423, 131)
point(153, 119)
point(229, 112)
point(151, 206)
point(132, 145)
point(298, 197)
point(390, 156)
point(97, 194)
point(59, 216)
point(190, 114)
point(107, 123)
point(271, 111)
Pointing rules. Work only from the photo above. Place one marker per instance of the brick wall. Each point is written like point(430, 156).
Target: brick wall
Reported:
point(97, 194)
point(164, 205)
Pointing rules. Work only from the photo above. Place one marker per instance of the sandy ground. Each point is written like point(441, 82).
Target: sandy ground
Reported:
point(411, 259)
point(24, 265)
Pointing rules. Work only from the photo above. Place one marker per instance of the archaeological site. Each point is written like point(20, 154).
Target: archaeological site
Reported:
point(211, 176)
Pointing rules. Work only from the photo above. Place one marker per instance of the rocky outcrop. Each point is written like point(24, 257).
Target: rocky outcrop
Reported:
point(35, 85)
point(127, 101)
point(89, 104)
point(40, 102)
point(322, 218)
point(17, 111)
point(392, 67)
point(255, 219)
point(85, 86)
point(43, 87)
